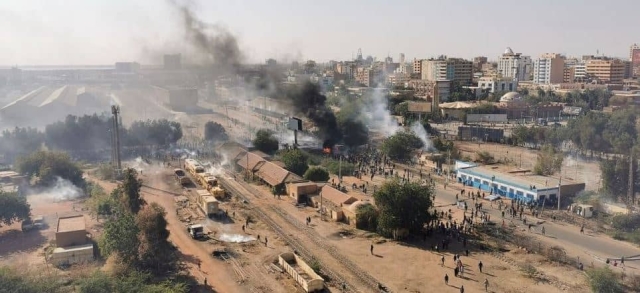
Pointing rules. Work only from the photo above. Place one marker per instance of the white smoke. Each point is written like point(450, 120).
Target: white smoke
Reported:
point(379, 116)
point(61, 190)
point(139, 164)
point(420, 132)
point(236, 238)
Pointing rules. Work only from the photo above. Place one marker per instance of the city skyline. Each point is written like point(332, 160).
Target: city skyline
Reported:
point(103, 32)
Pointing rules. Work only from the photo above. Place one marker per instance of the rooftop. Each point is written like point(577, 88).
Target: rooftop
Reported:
point(73, 223)
point(521, 181)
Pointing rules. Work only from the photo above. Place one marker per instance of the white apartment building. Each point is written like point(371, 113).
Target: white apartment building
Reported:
point(493, 84)
point(443, 68)
point(580, 71)
point(548, 69)
point(514, 65)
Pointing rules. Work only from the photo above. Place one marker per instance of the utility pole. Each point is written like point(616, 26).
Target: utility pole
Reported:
point(559, 190)
point(115, 110)
point(631, 189)
point(340, 170)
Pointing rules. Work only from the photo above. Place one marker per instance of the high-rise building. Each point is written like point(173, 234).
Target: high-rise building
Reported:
point(443, 68)
point(514, 65)
point(417, 66)
point(478, 62)
point(548, 69)
point(580, 72)
point(634, 57)
point(605, 70)
point(493, 84)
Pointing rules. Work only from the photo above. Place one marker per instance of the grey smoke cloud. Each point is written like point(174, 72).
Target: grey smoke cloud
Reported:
point(213, 44)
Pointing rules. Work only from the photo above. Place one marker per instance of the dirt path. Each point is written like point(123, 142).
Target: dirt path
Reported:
point(218, 278)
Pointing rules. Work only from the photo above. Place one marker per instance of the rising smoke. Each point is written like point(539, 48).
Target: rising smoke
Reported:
point(420, 132)
point(308, 100)
point(379, 115)
point(213, 44)
point(61, 190)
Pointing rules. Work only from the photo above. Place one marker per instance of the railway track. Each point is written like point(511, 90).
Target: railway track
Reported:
point(307, 255)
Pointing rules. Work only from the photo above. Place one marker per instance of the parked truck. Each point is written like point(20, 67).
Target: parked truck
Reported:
point(196, 231)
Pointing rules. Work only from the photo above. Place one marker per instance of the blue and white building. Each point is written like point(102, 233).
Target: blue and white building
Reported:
point(527, 188)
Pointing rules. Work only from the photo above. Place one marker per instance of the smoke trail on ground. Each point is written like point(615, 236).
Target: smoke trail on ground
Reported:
point(61, 190)
point(236, 238)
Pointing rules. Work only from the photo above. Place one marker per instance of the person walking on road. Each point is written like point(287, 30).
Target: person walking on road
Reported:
point(486, 285)
point(442, 260)
point(480, 266)
point(371, 249)
point(461, 289)
point(582, 229)
point(446, 279)
point(543, 230)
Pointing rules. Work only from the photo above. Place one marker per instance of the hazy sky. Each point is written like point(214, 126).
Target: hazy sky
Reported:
point(55, 32)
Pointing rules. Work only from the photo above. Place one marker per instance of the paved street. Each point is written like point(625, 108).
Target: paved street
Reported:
point(589, 247)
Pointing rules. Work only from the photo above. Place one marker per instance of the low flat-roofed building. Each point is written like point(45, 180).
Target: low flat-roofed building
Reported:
point(71, 231)
point(301, 190)
point(524, 187)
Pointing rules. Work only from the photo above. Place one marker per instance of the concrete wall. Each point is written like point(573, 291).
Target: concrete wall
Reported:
point(314, 283)
point(72, 255)
point(71, 238)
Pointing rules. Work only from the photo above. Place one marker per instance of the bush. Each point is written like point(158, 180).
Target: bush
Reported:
point(485, 157)
point(604, 280)
point(333, 166)
point(18, 281)
point(295, 161)
point(316, 174)
point(215, 132)
point(105, 172)
point(367, 218)
point(627, 223)
point(265, 141)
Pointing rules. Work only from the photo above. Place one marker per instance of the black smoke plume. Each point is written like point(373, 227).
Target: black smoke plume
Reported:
point(213, 44)
point(307, 100)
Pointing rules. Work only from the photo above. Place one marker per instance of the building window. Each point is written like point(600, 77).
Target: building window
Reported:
point(485, 182)
point(503, 188)
point(477, 180)
point(510, 190)
point(519, 193)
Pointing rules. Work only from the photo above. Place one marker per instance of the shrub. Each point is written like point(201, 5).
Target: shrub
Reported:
point(603, 280)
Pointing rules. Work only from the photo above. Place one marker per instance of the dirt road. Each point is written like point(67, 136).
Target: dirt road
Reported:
point(217, 275)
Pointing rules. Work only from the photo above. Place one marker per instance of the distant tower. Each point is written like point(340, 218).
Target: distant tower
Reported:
point(359, 56)
point(115, 135)
point(401, 58)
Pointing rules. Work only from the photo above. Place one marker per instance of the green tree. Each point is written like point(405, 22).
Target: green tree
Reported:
point(121, 236)
point(402, 109)
point(130, 191)
point(604, 280)
point(265, 141)
point(549, 161)
point(400, 145)
point(316, 174)
point(214, 131)
point(403, 206)
point(47, 166)
point(155, 251)
point(20, 142)
point(367, 217)
point(295, 161)
point(13, 208)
